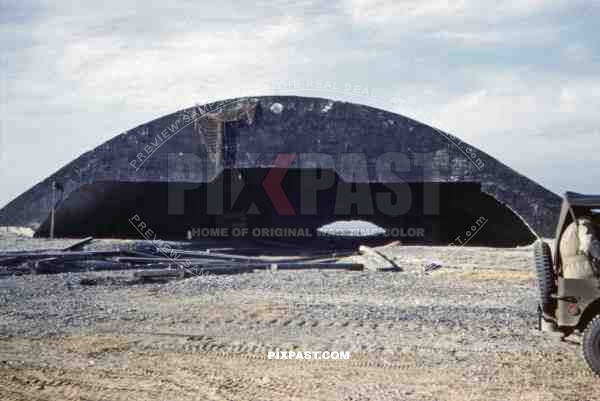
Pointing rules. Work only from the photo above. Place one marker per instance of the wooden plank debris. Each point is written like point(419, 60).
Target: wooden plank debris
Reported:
point(78, 244)
point(387, 264)
point(154, 264)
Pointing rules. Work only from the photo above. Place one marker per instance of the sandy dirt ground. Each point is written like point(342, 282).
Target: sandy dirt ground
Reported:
point(463, 332)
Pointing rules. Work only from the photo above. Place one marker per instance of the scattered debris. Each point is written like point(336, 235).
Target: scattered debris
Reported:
point(385, 264)
point(79, 244)
point(161, 263)
point(161, 275)
point(15, 258)
point(89, 281)
point(432, 266)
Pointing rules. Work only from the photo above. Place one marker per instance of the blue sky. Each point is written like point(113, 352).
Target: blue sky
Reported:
point(517, 78)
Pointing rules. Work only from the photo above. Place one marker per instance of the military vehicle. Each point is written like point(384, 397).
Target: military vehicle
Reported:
point(570, 305)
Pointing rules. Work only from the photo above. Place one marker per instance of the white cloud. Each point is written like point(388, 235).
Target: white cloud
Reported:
point(383, 11)
point(540, 124)
point(435, 12)
point(531, 36)
point(512, 100)
point(177, 70)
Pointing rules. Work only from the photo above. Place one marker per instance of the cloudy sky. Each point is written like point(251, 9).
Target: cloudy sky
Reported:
point(518, 78)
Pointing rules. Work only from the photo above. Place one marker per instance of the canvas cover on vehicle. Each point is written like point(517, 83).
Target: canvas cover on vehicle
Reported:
point(573, 204)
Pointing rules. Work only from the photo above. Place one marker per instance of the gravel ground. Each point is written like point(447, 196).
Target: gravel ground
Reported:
point(463, 332)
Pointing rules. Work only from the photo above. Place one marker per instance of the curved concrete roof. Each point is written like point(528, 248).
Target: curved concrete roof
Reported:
point(260, 128)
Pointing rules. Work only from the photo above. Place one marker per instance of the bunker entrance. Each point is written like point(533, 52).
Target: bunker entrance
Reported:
point(288, 205)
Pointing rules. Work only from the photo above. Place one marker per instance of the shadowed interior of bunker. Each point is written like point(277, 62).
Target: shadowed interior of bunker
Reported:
point(413, 213)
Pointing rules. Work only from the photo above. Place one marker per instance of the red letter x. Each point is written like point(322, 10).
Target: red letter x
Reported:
point(272, 184)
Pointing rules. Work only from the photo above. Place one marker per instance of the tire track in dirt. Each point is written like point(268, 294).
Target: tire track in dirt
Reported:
point(367, 331)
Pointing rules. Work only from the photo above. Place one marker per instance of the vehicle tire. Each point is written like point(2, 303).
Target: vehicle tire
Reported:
point(591, 345)
point(545, 275)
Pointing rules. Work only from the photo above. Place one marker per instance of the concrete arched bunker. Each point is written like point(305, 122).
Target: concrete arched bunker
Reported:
point(188, 151)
